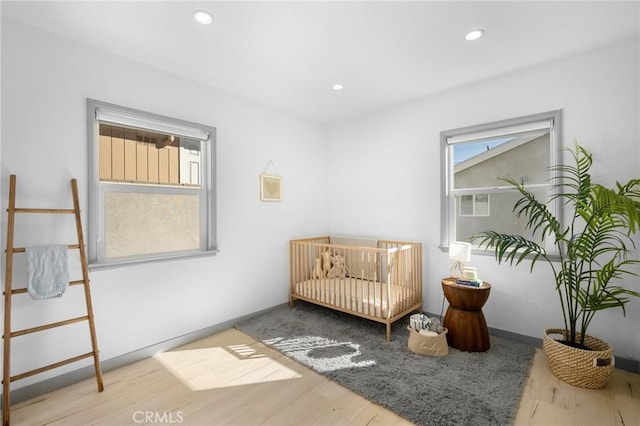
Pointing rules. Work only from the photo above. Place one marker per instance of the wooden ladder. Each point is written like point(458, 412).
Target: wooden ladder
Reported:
point(9, 291)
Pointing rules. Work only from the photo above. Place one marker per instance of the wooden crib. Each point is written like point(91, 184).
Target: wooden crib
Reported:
point(378, 280)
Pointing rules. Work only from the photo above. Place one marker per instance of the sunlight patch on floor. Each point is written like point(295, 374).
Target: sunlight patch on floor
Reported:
point(221, 367)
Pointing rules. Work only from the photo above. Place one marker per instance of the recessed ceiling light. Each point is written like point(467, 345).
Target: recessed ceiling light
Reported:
point(337, 87)
point(474, 35)
point(202, 17)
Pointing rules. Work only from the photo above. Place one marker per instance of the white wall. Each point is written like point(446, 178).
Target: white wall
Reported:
point(45, 83)
point(384, 174)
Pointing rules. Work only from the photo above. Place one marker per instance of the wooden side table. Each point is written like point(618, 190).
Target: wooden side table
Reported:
point(464, 318)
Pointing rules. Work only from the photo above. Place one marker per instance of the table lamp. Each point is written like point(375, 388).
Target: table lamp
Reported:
point(459, 252)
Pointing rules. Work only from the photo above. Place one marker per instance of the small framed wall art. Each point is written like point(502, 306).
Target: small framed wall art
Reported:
point(270, 187)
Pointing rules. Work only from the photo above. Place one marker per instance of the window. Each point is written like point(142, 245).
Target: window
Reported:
point(474, 205)
point(152, 188)
point(473, 160)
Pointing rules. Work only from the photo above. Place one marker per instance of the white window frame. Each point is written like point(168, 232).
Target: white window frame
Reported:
point(103, 112)
point(448, 138)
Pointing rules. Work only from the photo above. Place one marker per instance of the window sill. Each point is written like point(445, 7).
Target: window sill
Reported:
point(130, 262)
point(491, 252)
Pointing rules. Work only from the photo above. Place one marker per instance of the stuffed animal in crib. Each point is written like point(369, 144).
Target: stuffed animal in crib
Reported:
point(326, 263)
point(338, 268)
point(317, 269)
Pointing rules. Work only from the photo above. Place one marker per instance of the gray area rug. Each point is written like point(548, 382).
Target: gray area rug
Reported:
point(461, 388)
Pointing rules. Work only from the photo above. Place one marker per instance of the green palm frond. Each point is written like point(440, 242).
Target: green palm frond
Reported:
point(573, 183)
point(609, 298)
point(539, 218)
point(512, 249)
point(621, 205)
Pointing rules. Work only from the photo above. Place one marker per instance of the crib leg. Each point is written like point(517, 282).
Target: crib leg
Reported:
point(290, 302)
point(388, 331)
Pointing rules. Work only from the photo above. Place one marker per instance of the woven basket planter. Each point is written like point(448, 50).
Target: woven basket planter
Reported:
point(579, 367)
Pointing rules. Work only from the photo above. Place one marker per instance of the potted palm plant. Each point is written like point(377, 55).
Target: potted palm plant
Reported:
point(592, 253)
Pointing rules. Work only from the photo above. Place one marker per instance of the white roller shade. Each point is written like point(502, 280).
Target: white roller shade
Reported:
point(502, 131)
point(121, 118)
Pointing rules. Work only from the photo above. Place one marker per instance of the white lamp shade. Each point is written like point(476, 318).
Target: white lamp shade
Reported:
point(460, 251)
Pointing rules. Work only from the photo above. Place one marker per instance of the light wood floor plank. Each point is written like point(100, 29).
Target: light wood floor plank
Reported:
point(547, 401)
point(231, 379)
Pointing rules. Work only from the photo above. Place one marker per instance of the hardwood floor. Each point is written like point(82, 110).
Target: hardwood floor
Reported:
point(230, 379)
point(547, 400)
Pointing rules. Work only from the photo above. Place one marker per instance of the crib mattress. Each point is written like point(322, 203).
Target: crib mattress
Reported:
point(354, 294)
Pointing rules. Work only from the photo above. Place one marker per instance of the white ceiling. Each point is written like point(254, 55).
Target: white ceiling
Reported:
point(288, 54)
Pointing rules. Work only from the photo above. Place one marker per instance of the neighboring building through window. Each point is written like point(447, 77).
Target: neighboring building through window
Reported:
point(474, 158)
point(152, 191)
